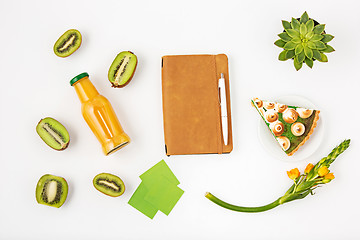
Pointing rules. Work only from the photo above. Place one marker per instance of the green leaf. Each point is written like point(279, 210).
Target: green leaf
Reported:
point(308, 52)
point(309, 35)
point(284, 36)
point(300, 57)
point(327, 38)
point(293, 33)
point(309, 62)
point(282, 55)
point(306, 185)
point(318, 29)
point(290, 190)
point(298, 49)
point(290, 54)
point(289, 46)
point(317, 55)
point(320, 45)
point(328, 49)
point(297, 64)
point(316, 37)
point(286, 24)
point(309, 25)
point(304, 18)
point(289, 197)
point(295, 24)
point(323, 58)
point(296, 40)
point(311, 45)
point(280, 43)
point(303, 30)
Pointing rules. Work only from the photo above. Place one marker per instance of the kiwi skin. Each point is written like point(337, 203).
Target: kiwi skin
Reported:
point(45, 179)
point(62, 38)
point(38, 130)
point(111, 177)
point(132, 75)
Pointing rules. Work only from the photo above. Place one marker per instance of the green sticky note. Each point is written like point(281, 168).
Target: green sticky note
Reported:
point(157, 191)
point(138, 202)
point(162, 194)
point(160, 169)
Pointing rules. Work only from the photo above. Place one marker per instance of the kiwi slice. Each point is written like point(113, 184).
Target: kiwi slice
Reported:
point(109, 184)
point(68, 43)
point(53, 133)
point(51, 190)
point(122, 69)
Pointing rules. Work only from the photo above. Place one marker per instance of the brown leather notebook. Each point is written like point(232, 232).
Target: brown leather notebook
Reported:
point(191, 107)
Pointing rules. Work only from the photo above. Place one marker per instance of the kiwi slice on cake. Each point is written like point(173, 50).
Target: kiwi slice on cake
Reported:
point(51, 190)
point(68, 43)
point(109, 184)
point(122, 69)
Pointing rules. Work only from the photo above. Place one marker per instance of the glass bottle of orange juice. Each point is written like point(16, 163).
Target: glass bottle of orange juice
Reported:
point(99, 115)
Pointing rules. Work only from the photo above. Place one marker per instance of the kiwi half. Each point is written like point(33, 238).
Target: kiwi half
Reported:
point(53, 133)
point(109, 184)
point(68, 43)
point(51, 190)
point(122, 69)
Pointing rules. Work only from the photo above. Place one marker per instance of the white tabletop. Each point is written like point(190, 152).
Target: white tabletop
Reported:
point(35, 84)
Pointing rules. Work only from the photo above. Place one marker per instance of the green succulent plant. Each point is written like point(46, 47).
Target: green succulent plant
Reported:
point(304, 40)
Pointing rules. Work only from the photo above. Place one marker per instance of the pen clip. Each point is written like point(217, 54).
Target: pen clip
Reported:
point(221, 85)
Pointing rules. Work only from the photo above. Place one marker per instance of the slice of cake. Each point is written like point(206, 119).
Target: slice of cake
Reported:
point(291, 126)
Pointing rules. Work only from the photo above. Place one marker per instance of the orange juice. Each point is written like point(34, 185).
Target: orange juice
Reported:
point(99, 115)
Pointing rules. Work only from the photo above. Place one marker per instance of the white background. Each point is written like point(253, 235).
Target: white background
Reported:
point(35, 84)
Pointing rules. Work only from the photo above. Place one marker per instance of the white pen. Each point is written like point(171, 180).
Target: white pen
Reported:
point(223, 108)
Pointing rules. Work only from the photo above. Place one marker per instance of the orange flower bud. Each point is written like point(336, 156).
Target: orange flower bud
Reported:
point(323, 171)
point(329, 176)
point(308, 168)
point(293, 173)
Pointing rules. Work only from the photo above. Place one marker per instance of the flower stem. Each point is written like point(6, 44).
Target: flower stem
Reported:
point(239, 208)
point(295, 186)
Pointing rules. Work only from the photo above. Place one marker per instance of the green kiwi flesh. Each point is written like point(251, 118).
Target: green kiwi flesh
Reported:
point(122, 69)
point(109, 184)
point(68, 43)
point(51, 190)
point(53, 133)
